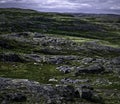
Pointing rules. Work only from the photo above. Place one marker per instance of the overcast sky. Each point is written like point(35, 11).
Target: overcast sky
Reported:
point(89, 6)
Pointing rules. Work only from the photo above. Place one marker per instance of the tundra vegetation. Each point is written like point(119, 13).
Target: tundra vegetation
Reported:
point(59, 58)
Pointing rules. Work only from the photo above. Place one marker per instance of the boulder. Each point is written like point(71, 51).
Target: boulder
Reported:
point(53, 80)
point(86, 92)
point(92, 69)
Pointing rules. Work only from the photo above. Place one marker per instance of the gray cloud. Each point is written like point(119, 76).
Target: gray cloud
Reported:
point(99, 6)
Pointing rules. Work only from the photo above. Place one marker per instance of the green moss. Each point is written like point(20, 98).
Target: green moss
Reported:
point(39, 72)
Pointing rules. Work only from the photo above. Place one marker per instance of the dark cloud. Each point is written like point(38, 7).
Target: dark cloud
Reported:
point(95, 6)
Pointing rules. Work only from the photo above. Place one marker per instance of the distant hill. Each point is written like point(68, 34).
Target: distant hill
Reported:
point(97, 26)
point(17, 10)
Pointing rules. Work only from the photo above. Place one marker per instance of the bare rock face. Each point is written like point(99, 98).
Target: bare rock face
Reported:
point(23, 90)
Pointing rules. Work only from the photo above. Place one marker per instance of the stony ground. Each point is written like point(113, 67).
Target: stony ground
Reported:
point(56, 67)
point(69, 71)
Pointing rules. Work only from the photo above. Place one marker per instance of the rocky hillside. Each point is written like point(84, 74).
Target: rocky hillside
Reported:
point(52, 58)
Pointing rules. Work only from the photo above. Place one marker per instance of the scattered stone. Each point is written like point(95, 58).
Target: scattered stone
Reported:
point(65, 69)
point(53, 80)
point(71, 81)
point(87, 60)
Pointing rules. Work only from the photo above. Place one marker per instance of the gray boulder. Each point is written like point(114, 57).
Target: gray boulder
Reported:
point(65, 69)
point(92, 69)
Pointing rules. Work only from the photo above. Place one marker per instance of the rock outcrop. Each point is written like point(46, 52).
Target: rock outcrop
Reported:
point(23, 90)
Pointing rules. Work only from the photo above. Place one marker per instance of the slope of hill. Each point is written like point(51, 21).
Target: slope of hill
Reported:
point(105, 27)
point(53, 58)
